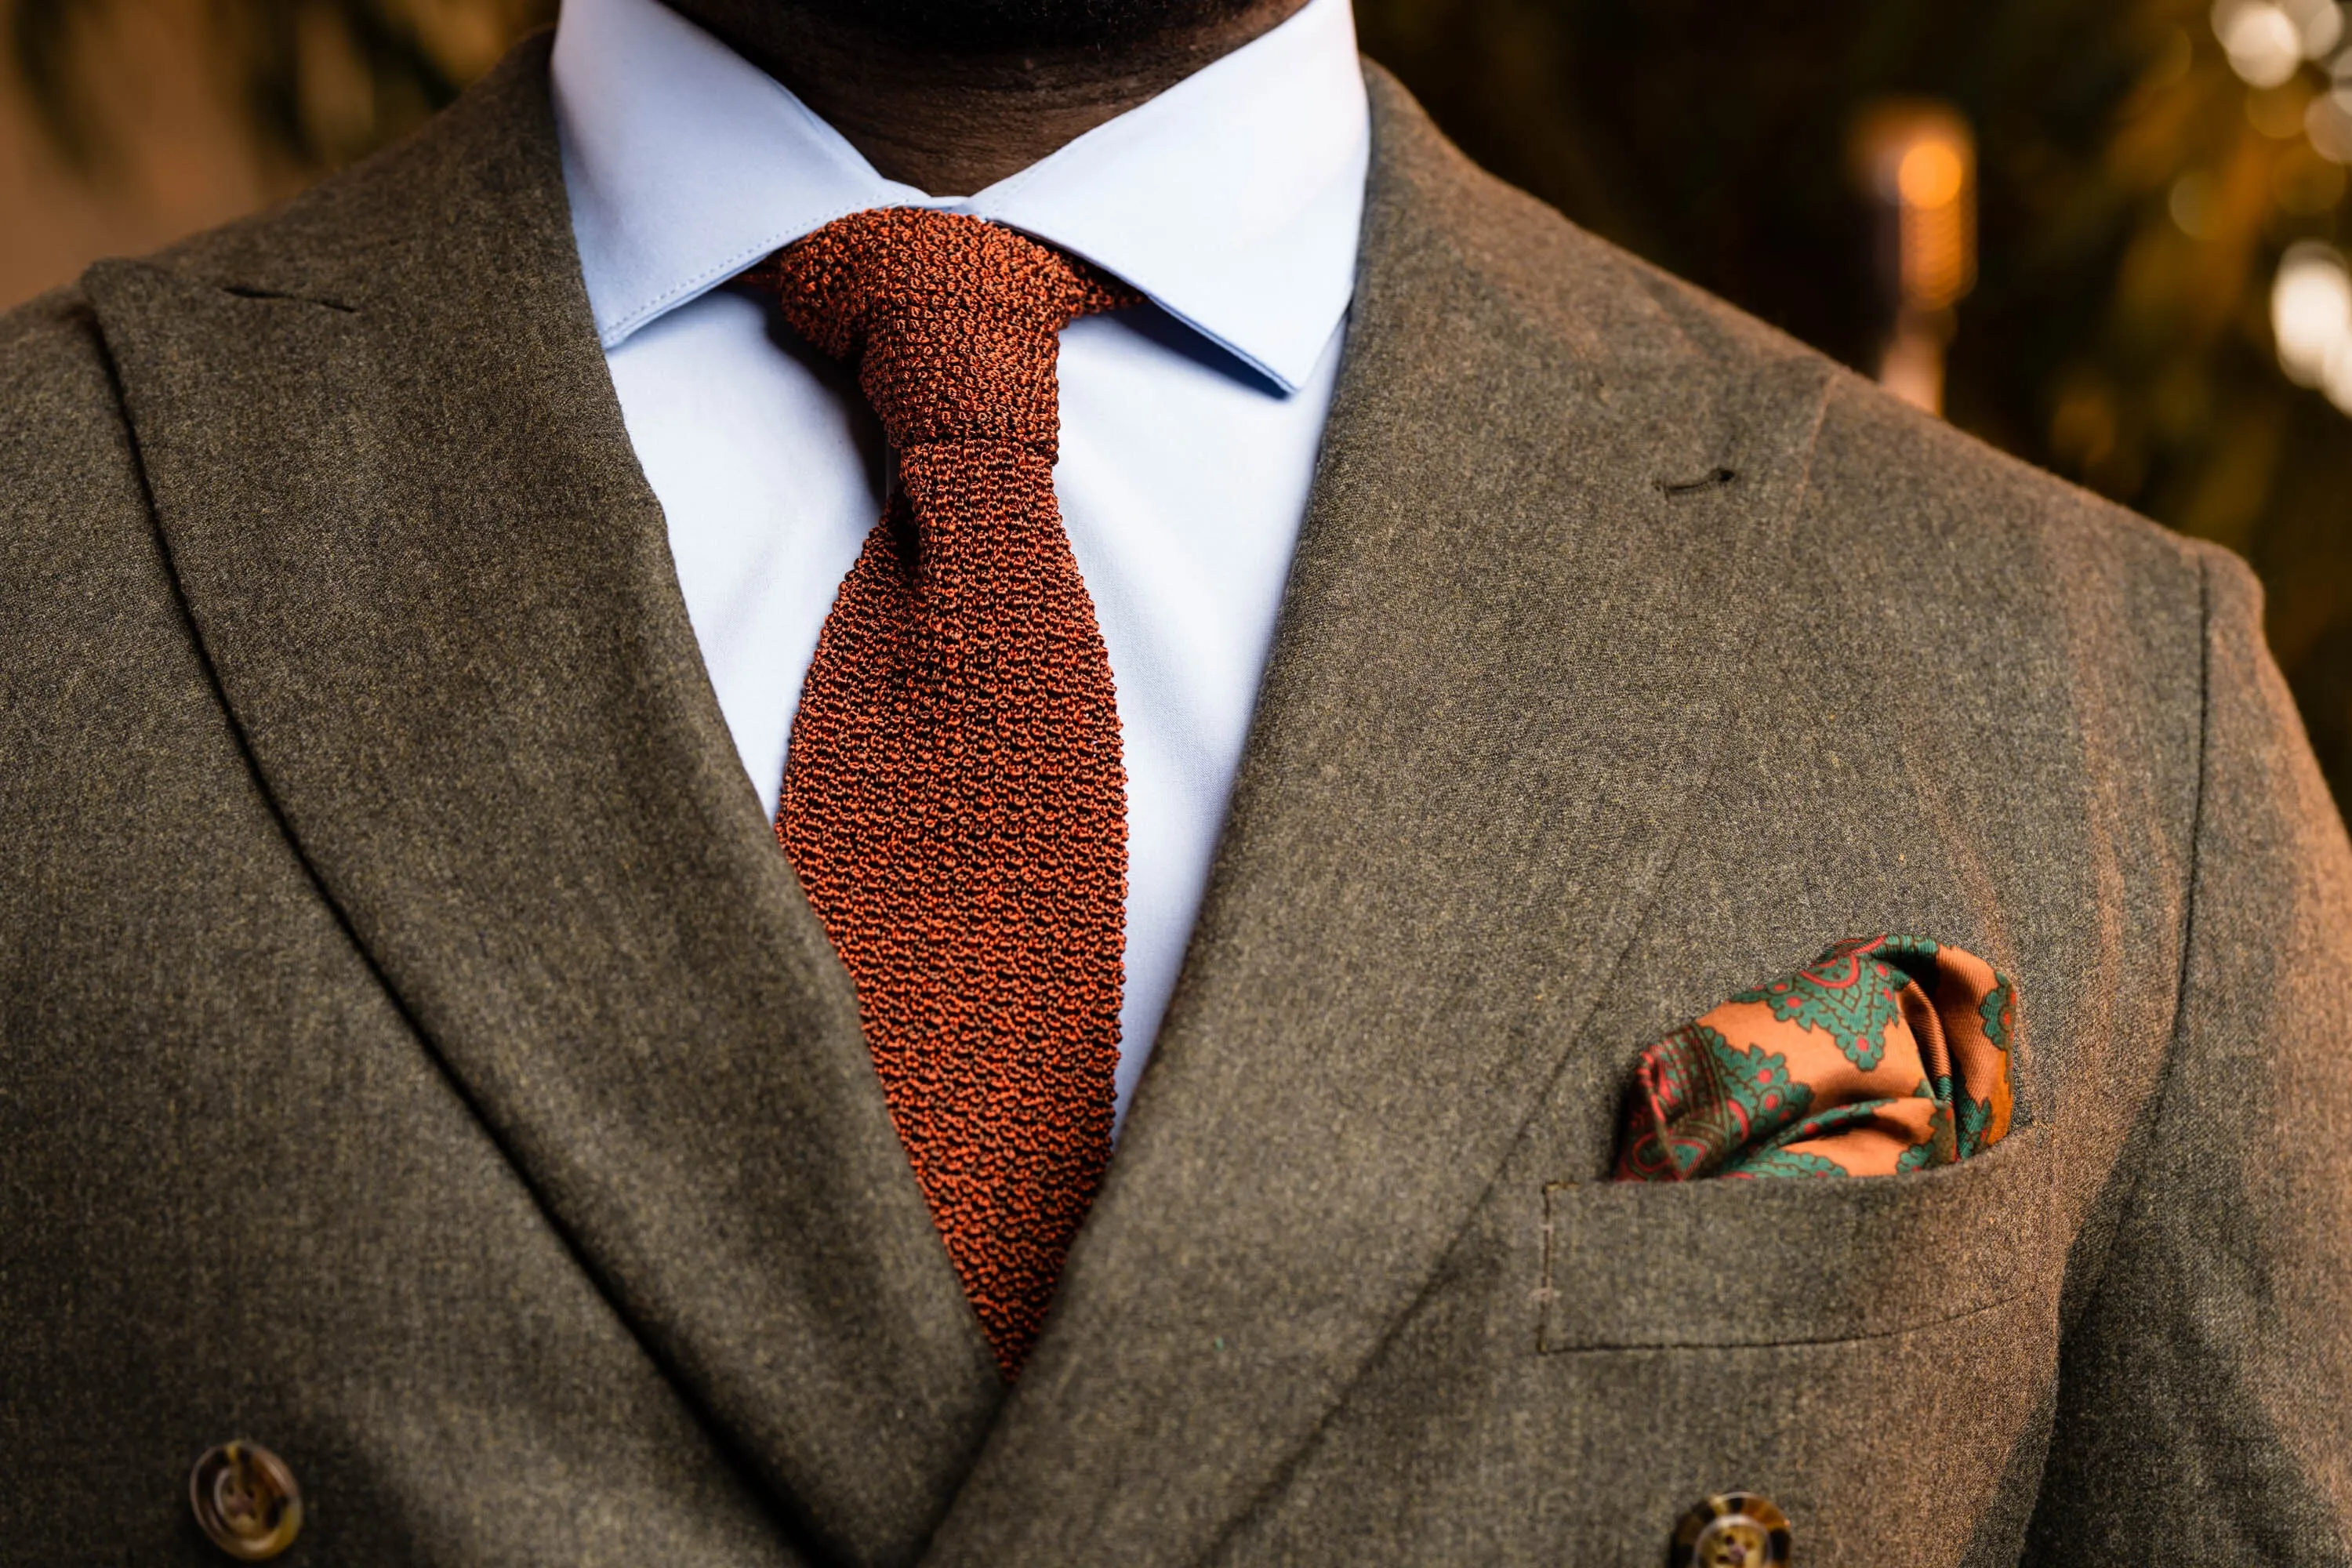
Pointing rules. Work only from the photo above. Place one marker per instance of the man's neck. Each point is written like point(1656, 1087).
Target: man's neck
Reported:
point(953, 123)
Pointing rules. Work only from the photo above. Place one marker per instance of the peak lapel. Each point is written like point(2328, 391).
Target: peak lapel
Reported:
point(391, 475)
point(1505, 655)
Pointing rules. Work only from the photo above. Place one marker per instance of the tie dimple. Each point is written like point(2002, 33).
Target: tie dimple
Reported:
point(954, 801)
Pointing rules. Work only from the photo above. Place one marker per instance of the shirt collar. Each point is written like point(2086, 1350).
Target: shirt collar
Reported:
point(1233, 200)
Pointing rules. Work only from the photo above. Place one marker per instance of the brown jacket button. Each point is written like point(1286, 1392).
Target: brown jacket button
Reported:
point(245, 1500)
point(1736, 1530)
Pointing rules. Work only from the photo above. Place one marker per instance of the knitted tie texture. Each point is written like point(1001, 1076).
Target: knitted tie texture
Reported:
point(954, 802)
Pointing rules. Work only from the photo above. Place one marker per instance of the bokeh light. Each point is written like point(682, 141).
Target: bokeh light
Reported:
point(2265, 45)
point(2311, 310)
point(1930, 174)
point(1916, 159)
point(2328, 123)
point(2318, 23)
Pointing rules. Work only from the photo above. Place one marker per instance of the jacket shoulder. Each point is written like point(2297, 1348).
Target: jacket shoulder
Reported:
point(1886, 473)
point(1882, 478)
point(1880, 471)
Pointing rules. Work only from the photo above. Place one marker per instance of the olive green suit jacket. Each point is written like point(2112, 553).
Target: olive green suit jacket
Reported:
point(415, 1055)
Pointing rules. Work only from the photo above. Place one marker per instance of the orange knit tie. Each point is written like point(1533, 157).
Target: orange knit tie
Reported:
point(954, 802)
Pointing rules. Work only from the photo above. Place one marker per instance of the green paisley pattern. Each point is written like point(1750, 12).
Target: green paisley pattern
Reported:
point(1847, 993)
point(1940, 1148)
point(1972, 1118)
point(1784, 1163)
point(1829, 1123)
point(1995, 1011)
point(1708, 1099)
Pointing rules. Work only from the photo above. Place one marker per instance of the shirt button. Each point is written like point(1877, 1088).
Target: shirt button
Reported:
point(246, 1501)
point(1736, 1530)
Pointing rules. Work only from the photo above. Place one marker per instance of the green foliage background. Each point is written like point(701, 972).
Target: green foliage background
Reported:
point(2103, 340)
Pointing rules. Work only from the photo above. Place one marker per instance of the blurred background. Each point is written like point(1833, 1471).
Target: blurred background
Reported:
point(2100, 234)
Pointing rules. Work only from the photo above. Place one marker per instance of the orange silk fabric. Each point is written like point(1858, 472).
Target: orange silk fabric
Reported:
point(955, 802)
point(1884, 1054)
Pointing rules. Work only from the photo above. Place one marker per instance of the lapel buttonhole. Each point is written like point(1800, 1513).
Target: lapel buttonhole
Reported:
point(1719, 479)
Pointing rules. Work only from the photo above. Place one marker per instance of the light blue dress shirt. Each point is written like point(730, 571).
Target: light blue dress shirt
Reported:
point(1189, 426)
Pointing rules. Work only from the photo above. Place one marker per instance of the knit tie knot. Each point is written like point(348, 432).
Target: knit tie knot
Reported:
point(953, 321)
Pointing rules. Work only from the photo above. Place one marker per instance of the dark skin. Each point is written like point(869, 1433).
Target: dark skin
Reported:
point(951, 119)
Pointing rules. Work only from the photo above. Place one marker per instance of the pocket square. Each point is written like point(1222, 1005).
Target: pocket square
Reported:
point(1884, 1054)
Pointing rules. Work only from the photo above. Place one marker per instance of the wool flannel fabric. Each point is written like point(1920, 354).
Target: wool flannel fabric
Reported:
point(1886, 1054)
point(955, 801)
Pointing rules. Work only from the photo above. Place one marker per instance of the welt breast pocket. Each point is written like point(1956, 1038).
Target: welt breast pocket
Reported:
point(1877, 1355)
point(1793, 1261)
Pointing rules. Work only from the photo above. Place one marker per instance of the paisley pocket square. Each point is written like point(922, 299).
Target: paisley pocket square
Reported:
point(1886, 1054)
